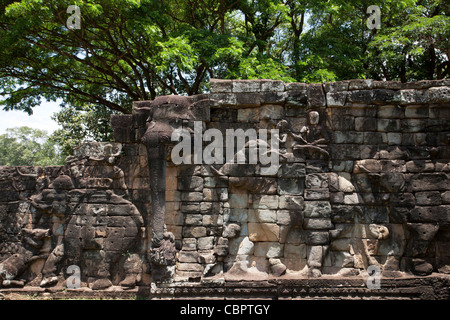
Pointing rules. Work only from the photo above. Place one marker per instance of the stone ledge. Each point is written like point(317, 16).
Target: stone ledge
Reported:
point(246, 86)
point(432, 287)
point(253, 93)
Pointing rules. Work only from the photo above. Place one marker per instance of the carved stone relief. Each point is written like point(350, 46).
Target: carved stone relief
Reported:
point(362, 180)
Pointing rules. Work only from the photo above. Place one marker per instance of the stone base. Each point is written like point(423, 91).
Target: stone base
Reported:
point(432, 287)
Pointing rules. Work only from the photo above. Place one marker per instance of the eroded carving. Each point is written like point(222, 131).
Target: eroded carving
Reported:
point(360, 182)
point(313, 138)
point(79, 220)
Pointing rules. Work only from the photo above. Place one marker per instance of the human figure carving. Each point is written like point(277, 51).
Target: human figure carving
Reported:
point(313, 136)
point(44, 225)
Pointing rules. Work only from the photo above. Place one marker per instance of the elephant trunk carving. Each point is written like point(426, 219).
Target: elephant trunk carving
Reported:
point(163, 116)
point(163, 251)
point(157, 170)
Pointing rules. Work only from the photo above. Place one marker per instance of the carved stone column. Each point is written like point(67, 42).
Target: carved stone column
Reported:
point(166, 114)
point(163, 250)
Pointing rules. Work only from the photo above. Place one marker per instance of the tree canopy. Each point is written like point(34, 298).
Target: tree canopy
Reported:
point(81, 124)
point(128, 50)
point(25, 146)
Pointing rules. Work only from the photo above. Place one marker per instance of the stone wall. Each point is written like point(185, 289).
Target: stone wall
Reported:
point(376, 192)
point(363, 181)
point(73, 215)
point(17, 184)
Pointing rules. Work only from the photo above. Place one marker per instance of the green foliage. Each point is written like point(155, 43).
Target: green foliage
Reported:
point(129, 50)
point(412, 43)
point(81, 124)
point(25, 146)
point(417, 46)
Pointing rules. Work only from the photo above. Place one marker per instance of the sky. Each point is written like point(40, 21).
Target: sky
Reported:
point(41, 118)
